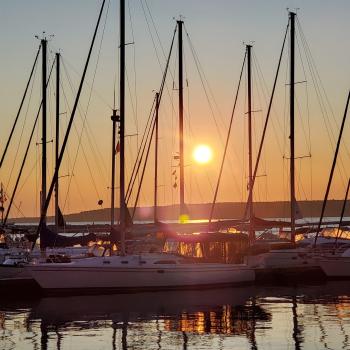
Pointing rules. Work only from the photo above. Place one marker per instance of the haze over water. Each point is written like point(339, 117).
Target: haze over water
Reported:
point(266, 317)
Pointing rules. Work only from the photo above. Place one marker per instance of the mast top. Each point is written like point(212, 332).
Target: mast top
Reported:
point(43, 36)
point(181, 19)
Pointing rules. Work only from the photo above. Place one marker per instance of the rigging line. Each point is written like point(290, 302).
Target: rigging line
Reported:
point(167, 65)
point(75, 159)
point(20, 107)
point(204, 76)
point(192, 134)
point(22, 130)
point(143, 170)
point(66, 200)
point(204, 88)
point(132, 183)
point(155, 29)
point(255, 77)
point(131, 101)
point(135, 80)
point(150, 32)
point(266, 120)
point(332, 170)
point(89, 84)
point(157, 34)
point(16, 206)
point(262, 99)
point(155, 48)
point(25, 154)
point(315, 78)
point(139, 154)
point(47, 201)
point(300, 120)
point(83, 115)
point(319, 88)
point(28, 176)
point(264, 90)
point(306, 91)
point(299, 114)
point(308, 51)
point(203, 81)
point(148, 125)
point(226, 144)
point(95, 150)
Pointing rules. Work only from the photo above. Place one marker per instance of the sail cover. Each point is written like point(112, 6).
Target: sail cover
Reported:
point(50, 239)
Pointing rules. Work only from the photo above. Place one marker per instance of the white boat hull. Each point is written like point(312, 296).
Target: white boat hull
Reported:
point(284, 258)
point(114, 273)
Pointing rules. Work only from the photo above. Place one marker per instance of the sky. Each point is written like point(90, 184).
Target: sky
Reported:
point(217, 32)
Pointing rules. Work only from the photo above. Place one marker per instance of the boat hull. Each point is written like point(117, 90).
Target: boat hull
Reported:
point(336, 267)
point(86, 278)
point(8, 271)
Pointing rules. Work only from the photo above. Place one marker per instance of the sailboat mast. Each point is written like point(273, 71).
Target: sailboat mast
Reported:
point(114, 119)
point(43, 140)
point(2, 201)
point(181, 121)
point(250, 151)
point(122, 126)
point(57, 134)
point(156, 162)
point(292, 156)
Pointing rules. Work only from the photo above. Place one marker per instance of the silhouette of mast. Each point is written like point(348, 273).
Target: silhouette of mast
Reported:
point(43, 139)
point(57, 135)
point(250, 150)
point(156, 162)
point(291, 112)
point(181, 120)
point(122, 127)
point(114, 119)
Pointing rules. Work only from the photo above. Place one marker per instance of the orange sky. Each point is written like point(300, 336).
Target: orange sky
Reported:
point(220, 51)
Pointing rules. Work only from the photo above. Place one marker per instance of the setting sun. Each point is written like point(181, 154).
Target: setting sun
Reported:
point(202, 154)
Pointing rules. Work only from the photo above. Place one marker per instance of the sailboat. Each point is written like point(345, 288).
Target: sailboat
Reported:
point(17, 254)
point(289, 258)
point(150, 271)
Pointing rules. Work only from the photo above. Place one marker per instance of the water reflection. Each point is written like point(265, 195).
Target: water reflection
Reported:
point(234, 318)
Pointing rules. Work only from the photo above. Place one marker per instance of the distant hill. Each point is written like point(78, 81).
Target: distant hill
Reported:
point(227, 210)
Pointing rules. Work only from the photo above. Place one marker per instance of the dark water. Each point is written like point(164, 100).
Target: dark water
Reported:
point(303, 317)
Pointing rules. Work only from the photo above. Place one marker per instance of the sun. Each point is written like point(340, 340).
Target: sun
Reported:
point(202, 154)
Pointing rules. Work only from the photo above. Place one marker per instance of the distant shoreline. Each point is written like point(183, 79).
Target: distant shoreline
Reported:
point(228, 210)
